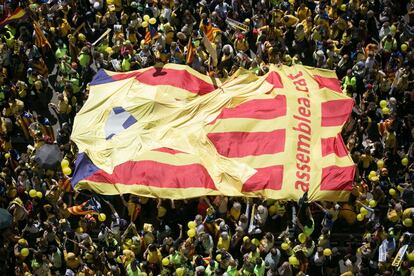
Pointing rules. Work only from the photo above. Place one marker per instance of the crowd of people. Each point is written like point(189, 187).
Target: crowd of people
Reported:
point(47, 60)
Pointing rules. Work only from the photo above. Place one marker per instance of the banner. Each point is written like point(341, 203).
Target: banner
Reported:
point(171, 132)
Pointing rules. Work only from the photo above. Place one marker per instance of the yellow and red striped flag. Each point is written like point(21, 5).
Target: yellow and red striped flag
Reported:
point(190, 52)
point(18, 14)
point(89, 207)
point(209, 30)
point(171, 132)
point(40, 38)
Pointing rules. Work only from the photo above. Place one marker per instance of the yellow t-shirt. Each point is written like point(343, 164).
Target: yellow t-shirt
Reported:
point(64, 27)
point(291, 20)
point(154, 257)
point(223, 244)
point(304, 13)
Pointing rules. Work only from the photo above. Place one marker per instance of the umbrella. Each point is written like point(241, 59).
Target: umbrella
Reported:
point(48, 156)
point(5, 218)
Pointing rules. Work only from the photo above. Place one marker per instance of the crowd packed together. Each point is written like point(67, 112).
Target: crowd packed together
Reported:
point(47, 60)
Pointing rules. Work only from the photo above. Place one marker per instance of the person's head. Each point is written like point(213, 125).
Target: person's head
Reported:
point(269, 236)
point(152, 247)
point(134, 265)
point(224, 235)
point(198, 219)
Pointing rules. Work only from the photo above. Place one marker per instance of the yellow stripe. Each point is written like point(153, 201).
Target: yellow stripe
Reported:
point(332, 159)
point(18, 15)
point(246, 125)
point(179, 159)
point(262, 161)
point(142, 190)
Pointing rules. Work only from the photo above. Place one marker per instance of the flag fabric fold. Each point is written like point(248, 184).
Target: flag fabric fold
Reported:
point(171, 132)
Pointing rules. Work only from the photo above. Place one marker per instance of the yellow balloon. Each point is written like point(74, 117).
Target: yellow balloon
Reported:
point(410, 256)
point(144, 24)
point(327, 252)
point(408, 222)
point(7, 155)
point(363, 211)
point(25, 252)
point(285, 246)
point(372, 203)
point(146, 18)
point(404, 161)
point(67, 171)
point(64, 163)
point(360, 217)
point(191, 233)
point(392, 192)
point(372, 173)
point(101, 217)
point(302, 238)
point(404, 47)
point(383, 103)
point(39, 194)
point(191, 224)
point(165, 261)
point(400, 188)
point(152, 21)
point(380, 164)
point(374, 178)
point(32, 193)
point(386, 110)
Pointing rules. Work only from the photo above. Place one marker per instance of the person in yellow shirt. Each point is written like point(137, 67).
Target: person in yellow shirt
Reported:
point(303, 12)
point(64, 27)
point(307, 27)
point(290, 20)
point(223, 241)
point(277, 16)
point(14, 108)
point(62, 109)
point(321, 20)
point(272, 32)
point(153, 257)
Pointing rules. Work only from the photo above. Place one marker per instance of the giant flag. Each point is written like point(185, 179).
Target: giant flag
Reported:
point(171, 132)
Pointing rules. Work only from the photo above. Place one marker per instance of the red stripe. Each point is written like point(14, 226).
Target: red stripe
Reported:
point(335, 113)
point(334, 145)
point(256, 109)
point(166, 76)
point(240, 144)
point(156, 174)
point(265, 178)
point(336, 178)
point(168, 150)
point(275, 79)
point(330, 83)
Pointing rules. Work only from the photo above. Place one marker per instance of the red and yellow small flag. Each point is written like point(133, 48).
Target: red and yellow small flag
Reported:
point(18, 14)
